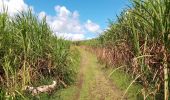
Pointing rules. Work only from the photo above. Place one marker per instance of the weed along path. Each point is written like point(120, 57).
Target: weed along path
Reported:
point(92, 84)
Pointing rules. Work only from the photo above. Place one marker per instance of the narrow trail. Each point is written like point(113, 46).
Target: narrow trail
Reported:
point(91, 83)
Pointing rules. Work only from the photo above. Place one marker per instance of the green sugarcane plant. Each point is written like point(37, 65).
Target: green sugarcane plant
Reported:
point(144, 28)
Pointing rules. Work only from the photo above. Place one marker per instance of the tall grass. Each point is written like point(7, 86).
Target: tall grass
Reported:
point(29, 52)
point(140, 39)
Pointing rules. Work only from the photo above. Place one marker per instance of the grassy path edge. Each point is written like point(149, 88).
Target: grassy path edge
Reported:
point(118, 78)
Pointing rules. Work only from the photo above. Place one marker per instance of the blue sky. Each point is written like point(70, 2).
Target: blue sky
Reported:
point(75, 19)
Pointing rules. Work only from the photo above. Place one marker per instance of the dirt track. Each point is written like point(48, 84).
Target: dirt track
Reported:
point(92, 83)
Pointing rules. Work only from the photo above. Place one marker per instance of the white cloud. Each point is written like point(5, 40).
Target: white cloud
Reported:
point(70, 36)
point(65, 24)
point(14, 6)
point(65, 21)
point(88, 38)
point(41, 15)
point(62, 11)
point(75, 14)
point(92, 27)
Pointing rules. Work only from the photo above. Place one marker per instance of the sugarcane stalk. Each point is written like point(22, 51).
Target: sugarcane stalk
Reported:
point(165, 65)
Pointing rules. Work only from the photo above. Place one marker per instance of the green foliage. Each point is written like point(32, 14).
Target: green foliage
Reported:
point(91, 42)
point(122, 80)
point(30, 53)
point(144, 28)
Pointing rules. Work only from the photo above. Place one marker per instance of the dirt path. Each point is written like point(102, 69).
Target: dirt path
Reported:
point(84, 62)
point(92, 83)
